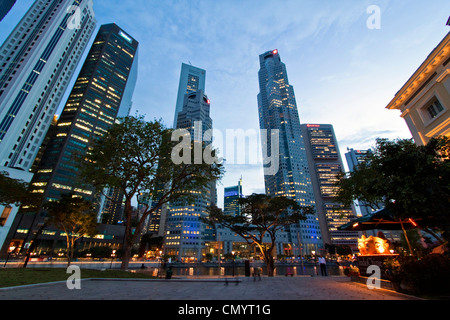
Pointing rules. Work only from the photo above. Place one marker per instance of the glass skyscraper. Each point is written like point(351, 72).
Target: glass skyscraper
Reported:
point(191, 79)
point(186, 235)
point(325, 164)
point(101, 94)
point(278, 111)
point(231, 197)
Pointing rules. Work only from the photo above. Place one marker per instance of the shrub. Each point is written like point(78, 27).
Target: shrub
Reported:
point(429, 275)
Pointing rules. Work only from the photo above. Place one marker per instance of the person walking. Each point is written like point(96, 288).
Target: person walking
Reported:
point(323, 266)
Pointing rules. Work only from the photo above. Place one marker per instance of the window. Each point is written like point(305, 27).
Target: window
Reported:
point(434, 109)
point(5, 214)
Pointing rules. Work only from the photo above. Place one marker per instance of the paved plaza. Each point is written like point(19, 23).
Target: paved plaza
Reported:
point(275, 288)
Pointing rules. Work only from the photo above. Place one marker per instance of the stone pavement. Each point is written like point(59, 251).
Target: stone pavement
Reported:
point(276, 288)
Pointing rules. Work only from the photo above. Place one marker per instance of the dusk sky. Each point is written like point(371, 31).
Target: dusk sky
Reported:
point(343, 72)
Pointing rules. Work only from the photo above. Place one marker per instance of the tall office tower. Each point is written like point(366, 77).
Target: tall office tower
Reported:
point(5, 6)
point(278, 111)
point(37, 62)
point(231, 197)
point(101, 94)
point(191, 80)
point(325, 164)
point(186, 235)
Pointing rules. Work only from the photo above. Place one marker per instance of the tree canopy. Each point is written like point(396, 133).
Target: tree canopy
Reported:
point(14, 191)
point(135, 156)
point(261, 218)
point(411, 181)
point(73, 215)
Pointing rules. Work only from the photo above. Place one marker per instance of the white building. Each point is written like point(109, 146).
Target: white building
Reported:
point(37, 62)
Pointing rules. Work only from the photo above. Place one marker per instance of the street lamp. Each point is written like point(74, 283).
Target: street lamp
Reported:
point(113, 254)
point(232, 252)
point(10, 251)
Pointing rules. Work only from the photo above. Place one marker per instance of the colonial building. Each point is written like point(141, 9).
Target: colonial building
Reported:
point(424, 100)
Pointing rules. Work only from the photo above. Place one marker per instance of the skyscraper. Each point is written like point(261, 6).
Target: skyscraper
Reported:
point(356, 157)
point(231, 197)
point(325, 164)
point(186, 234)
point(278, 111)
point(101, 94)
point(37, 62)
point(191, 79)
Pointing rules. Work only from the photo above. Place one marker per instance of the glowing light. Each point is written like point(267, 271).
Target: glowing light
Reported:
point(275, 51)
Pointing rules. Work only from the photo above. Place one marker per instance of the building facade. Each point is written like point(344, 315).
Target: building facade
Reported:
point(278, 111)
point(355, 158)
point(37, 62)
point(185, 234)
point(231, 198)
point(424, 100)
point(101, 94)
point(191, 79)
point(325, 164)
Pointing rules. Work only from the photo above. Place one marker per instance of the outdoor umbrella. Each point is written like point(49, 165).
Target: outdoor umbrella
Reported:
point(382, 220)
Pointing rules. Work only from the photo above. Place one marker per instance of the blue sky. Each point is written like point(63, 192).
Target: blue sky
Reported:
point(343, 73)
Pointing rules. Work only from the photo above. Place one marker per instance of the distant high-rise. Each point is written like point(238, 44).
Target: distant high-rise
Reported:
point(278, 111)
point(191, 80)
point(5, 6)
point(101, 94)
point(356, 157)
point(37, 62)
point(231, 197)
point(325, 164)
point(186, 234)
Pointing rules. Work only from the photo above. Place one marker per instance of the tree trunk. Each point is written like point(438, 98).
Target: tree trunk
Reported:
point(126, 256)
point(128, 243)
point(69, 250)
point(270, 264)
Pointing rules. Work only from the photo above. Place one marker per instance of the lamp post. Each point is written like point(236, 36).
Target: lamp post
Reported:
point(10, 251)
point(113, 254)
point(232, 252)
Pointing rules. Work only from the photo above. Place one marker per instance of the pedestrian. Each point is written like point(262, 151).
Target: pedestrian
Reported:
point(323, 266)
point(169, 273)
point(256, 273)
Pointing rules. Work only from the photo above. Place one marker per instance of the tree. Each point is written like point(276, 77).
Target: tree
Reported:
point(411, 181)
point(14, 191)
point(135, 156)
point(73, 215)
point(261, 218)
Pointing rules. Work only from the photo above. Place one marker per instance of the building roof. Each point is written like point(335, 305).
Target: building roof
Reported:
point(439, 55)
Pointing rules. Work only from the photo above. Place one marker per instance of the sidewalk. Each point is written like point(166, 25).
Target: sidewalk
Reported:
point(206, 288)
